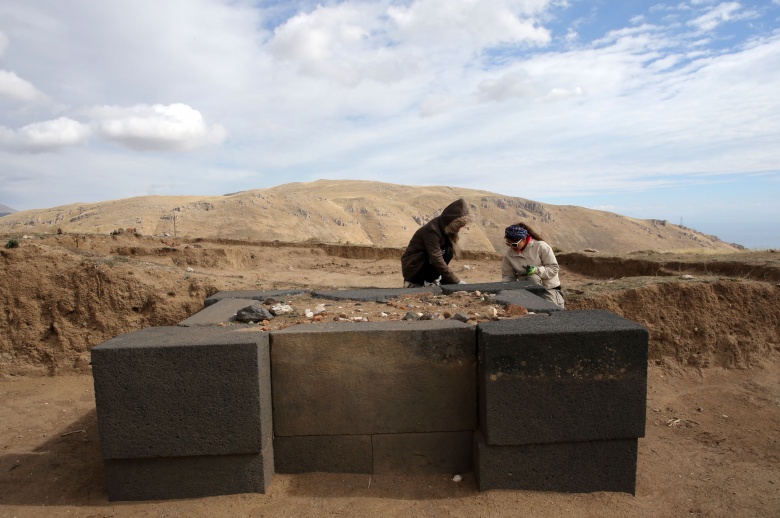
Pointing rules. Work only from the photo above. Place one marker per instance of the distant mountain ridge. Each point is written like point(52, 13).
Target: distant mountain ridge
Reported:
point(5, 210)
point(359, 212)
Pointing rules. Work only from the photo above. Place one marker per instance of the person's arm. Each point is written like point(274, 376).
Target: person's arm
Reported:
point(549, 267)
point(508, 273)
point(432, 246)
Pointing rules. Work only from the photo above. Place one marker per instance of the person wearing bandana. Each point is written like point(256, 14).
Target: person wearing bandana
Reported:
point(426, 259)
point(528, 257)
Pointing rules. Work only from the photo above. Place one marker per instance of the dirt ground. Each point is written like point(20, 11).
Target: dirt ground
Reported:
point(713, 411)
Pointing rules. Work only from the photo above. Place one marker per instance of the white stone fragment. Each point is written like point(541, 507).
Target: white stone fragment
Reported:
point(281, 309)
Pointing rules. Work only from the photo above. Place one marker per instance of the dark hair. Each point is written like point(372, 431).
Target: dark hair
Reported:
point(533, 233)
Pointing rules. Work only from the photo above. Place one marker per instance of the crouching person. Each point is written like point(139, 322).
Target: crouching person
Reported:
point(528, 257)
point(427, 257)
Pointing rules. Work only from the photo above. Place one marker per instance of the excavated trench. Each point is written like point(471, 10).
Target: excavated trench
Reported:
point(58, 303)
point(601, 267)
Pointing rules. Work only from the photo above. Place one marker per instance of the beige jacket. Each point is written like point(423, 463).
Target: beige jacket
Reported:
point(537, 253)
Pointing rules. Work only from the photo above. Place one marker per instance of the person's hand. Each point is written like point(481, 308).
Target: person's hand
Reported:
point(531, 270)
point(462, 282)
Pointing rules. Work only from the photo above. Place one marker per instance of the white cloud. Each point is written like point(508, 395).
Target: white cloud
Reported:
point(515, 84)
point(354, 42)
point(557, 94)
point(46, 136)
point(481, 24)
point(175, 127)
point(722, 13)
point(333, 42)
point(96, 53)
point(433, 104)
point(15, 87)
point(322, 34)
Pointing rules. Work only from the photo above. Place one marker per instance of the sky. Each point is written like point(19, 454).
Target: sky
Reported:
point(650, 110)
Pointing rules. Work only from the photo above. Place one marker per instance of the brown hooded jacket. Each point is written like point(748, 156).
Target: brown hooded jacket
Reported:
point(424, 258)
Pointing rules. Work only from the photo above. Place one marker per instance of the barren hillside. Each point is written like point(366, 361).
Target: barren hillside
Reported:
point(358, 213)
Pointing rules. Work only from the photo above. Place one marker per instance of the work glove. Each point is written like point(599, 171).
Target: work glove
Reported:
point(531, 270)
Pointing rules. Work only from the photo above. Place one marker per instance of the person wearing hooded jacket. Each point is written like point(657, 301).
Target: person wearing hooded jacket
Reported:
point(530, 258)
point(426, 259)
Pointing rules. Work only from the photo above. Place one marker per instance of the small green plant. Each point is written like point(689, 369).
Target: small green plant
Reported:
point(12, 243)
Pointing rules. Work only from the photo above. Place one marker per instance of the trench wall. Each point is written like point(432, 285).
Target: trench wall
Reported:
point(549, 401)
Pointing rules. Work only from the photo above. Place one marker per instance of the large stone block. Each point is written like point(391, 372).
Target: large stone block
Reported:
point(220, 312)
point(177, 391)
point(324, 453)
point(573, 467)
point(534, 303)
point(423, 453)
point(164, 478)
point(250, 294)
point(374, 294)
point(374, 377)
point(492, 287)
point(570, 376)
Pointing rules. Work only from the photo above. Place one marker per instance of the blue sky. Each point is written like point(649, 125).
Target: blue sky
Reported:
point(651, 110)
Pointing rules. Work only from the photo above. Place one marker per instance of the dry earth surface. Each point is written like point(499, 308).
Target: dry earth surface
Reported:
point(713, 411)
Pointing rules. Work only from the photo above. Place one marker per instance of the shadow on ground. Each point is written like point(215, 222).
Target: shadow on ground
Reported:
point(67, 469)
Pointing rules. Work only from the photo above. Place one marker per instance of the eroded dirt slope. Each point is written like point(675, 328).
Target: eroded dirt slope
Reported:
point(61, 296)
point(725, 323)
